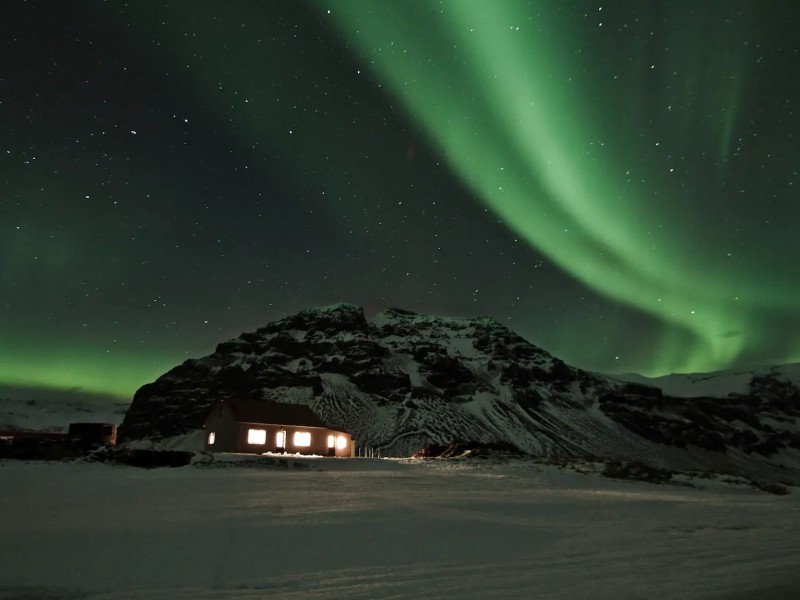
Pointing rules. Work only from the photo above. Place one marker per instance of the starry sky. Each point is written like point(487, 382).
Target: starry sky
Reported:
point(616, 181)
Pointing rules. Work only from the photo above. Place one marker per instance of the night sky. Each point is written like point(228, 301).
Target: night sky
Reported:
point(617, 181)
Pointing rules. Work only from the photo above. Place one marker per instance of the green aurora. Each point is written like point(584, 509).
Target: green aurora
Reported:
point(646, 153)
point(549, 145)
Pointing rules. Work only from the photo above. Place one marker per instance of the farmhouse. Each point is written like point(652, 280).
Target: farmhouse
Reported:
point(246, 425)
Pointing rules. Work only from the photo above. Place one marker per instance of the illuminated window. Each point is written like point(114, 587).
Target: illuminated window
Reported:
point(211, 438)
point(257, 436)
point(330, 441)
point(302, 439)
point(341, 442)
point(280, 439)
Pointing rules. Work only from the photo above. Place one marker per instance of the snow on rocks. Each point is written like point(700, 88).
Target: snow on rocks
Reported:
point(404, 381)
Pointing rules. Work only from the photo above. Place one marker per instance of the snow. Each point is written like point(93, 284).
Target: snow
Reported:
point(363, 529)
point(463, 343)
point(334, 308)
point(191, 441)
point(334, 379)
point(715, 385)
point(392, 316)
point(297, 364)
point(405, 363)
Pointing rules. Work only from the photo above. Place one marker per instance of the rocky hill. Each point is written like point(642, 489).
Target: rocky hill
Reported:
point(403, 381)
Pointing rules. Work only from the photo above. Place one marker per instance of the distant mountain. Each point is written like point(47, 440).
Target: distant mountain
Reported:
point(717, 384)
point(404, 381)
point(52, 415)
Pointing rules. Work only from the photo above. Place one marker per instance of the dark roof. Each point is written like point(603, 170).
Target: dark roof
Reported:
point(247, 410)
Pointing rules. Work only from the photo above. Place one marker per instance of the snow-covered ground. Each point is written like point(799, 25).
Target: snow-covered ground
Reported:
point(364, 529)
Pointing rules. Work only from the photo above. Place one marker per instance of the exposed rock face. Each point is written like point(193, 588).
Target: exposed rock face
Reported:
point(405, 381)
point(763, 421)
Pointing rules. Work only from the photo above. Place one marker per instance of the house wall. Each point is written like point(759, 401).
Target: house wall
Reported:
point(231, 436)
point(226, 431)
point(319, 440)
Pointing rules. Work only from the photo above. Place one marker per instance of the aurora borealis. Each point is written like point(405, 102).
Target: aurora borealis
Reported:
point(616, 181)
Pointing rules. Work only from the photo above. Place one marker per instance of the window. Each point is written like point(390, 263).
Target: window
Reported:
point(212, 438)
point(280, 439)
point(330, 441)
point(302, 439)
point(341, 442)
point(257, 436)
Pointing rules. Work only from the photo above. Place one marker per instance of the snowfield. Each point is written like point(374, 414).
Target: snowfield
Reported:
point(364, 529)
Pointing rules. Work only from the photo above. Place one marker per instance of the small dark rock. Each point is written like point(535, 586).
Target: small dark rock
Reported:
point(636, 471)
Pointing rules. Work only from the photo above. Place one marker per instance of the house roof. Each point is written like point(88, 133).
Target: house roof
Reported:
point(248, 410)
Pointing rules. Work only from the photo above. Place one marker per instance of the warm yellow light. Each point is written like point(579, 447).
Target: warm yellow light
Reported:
point(330, 441)
point(212, 438)
point(302, 439)
point(257, 437)
point(341, 442)
point(280, 439)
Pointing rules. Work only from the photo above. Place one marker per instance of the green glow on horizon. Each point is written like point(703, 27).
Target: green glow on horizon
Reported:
point(502, 95)
point(117, 376)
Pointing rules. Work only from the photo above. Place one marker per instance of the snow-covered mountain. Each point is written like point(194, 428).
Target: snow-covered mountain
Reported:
point(51, 415)
point(717, 384)
point(404, 381)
